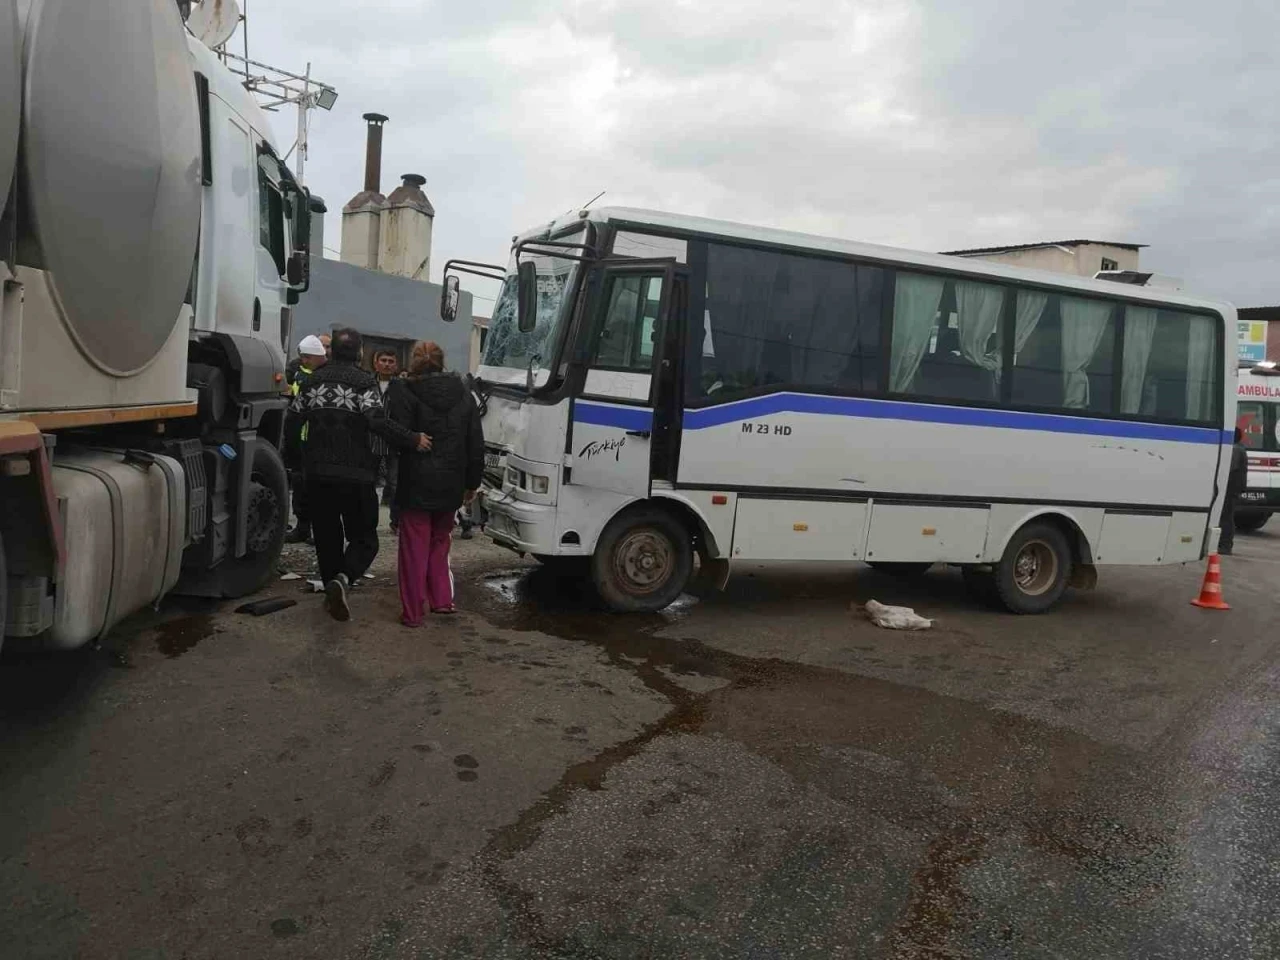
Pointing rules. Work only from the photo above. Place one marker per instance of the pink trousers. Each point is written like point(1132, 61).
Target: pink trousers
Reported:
point(424, 563)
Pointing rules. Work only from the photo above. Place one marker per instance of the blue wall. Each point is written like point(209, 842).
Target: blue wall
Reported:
point(376, 303)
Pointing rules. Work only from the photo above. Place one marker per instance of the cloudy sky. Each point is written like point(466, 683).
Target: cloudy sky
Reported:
point(931, 124)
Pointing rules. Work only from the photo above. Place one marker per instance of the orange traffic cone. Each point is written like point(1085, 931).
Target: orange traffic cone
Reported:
point(1211, 591)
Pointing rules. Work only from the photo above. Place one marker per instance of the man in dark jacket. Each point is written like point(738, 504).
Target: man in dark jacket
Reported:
point(341, 409)
point(312, 355)
point(433, 486)
point(1236, 481)
point(386, 368)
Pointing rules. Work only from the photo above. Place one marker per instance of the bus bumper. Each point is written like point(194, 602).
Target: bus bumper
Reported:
point(519, 526)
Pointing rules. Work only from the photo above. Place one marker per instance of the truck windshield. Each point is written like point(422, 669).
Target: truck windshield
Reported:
point(509, 353)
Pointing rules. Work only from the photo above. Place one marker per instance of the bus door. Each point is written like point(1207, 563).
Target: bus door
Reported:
point(624, 421)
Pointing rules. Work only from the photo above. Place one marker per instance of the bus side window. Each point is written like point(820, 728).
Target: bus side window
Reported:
point(627, 333)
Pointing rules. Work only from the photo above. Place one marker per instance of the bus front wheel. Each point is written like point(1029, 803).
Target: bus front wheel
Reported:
point(643, 561)
point(1034, 570)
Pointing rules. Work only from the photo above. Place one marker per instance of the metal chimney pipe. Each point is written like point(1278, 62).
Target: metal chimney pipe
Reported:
point(373, 153)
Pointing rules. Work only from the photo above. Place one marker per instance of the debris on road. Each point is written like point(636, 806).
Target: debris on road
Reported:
point(260, 608)
point(896, 618)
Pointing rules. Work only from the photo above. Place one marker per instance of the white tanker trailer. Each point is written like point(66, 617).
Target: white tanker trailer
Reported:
point(152, 244)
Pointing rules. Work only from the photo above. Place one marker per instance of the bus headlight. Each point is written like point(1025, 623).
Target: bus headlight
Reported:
point(513, 476)
point(538, 484)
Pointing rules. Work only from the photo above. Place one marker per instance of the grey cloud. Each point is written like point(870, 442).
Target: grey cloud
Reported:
point(929, 124)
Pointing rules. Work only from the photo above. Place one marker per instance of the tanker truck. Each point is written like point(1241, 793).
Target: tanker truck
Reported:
point(152, 247)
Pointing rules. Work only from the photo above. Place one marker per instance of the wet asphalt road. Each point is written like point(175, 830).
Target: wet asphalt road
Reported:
point(757, 774)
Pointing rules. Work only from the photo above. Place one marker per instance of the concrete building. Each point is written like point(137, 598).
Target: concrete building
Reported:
point(1271, 317)
point(1083, 258)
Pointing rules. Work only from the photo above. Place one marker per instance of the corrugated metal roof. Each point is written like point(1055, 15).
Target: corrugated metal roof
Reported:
point(1047, 243)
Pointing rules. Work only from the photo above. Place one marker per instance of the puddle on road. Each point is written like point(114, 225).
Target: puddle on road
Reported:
point(1059, 791)
point(176, 637)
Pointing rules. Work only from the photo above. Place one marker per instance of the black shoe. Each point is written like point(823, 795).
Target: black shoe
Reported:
point(299, 534)
point(335, 598)
point(466, 534)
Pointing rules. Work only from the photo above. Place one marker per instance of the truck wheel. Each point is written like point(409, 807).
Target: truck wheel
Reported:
point(643, 561)
point(899, 569)
point(1035, 568)
point(1249, 521)
point(268, 515)
point(4, 593)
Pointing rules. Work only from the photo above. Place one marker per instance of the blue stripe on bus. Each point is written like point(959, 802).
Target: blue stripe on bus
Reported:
point(628, 418)
point(633, 418)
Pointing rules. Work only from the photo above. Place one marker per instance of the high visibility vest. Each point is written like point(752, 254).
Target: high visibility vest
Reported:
point(297, 389)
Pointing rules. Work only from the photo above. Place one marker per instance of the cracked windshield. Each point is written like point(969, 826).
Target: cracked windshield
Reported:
point(509, 353)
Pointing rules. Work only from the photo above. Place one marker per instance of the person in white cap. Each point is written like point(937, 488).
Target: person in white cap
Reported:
point(311, 357)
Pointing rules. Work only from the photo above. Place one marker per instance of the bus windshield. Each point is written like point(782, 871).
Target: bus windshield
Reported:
point(510, 354)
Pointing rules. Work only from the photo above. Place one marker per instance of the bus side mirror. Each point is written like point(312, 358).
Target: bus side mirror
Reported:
point(450, 294)
point(527, 297)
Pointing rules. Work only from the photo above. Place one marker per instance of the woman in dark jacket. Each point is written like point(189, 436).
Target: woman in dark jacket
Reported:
point(434, 484)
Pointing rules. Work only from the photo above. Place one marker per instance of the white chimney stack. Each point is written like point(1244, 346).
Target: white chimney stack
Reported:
point(404, 233)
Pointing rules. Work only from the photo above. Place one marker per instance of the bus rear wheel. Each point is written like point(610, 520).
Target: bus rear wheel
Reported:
point(1033, 573)
point(643, 561)
point(1249, 521)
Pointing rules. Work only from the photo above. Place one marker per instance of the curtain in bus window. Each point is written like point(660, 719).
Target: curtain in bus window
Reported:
point(1083, 322)
point(1031, 306)
point(1139, 332)
point(978, 306)
point(915, 312)
point(1201, 363)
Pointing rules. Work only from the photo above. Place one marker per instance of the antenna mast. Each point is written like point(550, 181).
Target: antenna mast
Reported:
point(272, 87)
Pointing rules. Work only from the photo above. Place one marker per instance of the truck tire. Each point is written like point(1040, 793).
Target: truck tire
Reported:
point(1034, 570)
point(4, 593)
point(643, 561)
point(1250, 521)
point(268, 516)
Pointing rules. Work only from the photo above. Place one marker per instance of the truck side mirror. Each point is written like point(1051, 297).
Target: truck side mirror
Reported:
point(527, 297)
point(450, 294)
point(295, 270)
point(302, 222)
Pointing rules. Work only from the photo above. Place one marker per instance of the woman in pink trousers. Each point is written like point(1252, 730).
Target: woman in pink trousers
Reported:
point(432, 485)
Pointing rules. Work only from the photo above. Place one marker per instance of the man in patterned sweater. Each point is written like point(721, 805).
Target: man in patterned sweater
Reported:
point(341, 411)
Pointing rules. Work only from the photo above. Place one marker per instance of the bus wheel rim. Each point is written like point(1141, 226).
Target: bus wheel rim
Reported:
point(643, 561)
point(1035, 568)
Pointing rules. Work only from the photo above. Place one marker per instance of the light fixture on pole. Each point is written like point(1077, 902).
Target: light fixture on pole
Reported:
point(275, 88)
